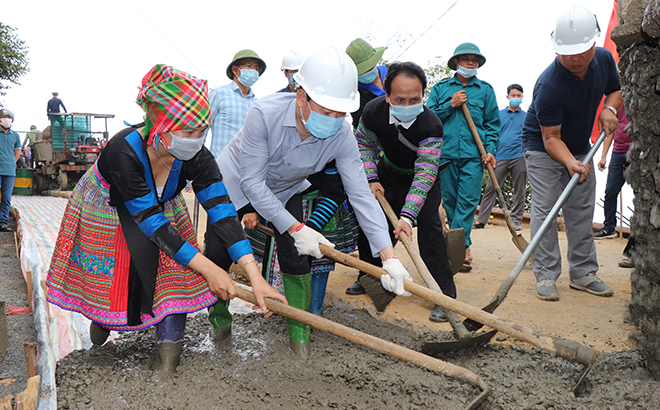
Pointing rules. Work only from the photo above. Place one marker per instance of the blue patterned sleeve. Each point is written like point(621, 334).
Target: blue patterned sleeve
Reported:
point(213, 196)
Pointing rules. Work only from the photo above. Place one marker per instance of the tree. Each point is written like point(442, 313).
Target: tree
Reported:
point(436, 70)
point(13, 58)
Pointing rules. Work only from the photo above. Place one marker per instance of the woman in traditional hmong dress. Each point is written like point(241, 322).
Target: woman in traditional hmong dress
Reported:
point(126, 255)
point(326, 210)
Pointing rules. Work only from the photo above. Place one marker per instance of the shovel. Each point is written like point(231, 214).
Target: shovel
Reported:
point(518, 239)
point(456, 324)
point(438, 366)
point(455, 239)
point(561, 347)
point(515, 272)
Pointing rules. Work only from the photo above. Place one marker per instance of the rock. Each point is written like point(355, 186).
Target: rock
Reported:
point(629, 29)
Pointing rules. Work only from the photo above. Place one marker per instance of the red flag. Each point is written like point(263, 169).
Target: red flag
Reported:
point(609, 44)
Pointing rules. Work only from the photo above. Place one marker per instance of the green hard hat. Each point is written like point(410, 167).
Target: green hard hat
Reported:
point(466, 48)
point(245, 54)
point(363, 55)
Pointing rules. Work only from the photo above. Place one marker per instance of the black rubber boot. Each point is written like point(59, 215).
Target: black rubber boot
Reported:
point(98, 334)
point(355, 289)
point(437, 315)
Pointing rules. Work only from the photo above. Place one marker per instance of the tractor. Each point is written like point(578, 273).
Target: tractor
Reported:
point(68, 149)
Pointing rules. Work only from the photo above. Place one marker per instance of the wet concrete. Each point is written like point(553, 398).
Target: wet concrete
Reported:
point(254, 369)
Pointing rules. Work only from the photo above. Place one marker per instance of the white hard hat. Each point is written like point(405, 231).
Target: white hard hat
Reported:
point(575, 32)
point(291, 61)
point(329, 77)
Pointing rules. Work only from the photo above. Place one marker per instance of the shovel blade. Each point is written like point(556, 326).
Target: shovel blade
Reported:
point(438, 348)
point(473, 325)
point(378, 294)
point(455, 240)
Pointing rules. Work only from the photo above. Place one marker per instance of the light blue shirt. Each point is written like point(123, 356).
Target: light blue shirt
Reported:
point(229, 108)
point(267, 163)
point(9, 141)
point(510, 145)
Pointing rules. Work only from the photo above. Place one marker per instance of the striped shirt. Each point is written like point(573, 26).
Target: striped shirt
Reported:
point(229, 108)
point(415, 150)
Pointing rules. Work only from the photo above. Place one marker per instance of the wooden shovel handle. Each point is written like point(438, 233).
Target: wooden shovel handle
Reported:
point(491, 172)
point(407, 243)
point(477, 140)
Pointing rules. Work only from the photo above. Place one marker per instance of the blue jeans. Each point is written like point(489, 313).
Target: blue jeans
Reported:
point(6, 188)
point(613, 186)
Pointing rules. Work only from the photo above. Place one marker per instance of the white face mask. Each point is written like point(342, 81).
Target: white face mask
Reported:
point(5, 122)
point(184, 148)
point(466, 72)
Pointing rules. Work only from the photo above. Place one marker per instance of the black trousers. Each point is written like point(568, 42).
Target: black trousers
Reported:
point(432, 245)
point(290, 261)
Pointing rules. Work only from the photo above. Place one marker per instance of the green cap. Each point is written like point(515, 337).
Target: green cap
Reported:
point(363, 55)
point(466, 48)
point(245, 54)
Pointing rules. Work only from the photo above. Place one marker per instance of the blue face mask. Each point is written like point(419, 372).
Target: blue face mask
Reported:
point(321, 126)
point(292, 81)
point(248, 77)
point(369, 76)
point(514, 102)
point(466, 72)
point(406, 113)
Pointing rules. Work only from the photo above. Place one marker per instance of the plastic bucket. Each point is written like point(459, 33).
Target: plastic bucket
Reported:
point(23, 182)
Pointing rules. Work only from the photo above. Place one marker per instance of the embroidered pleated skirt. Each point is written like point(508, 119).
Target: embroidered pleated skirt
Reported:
point(90, 265)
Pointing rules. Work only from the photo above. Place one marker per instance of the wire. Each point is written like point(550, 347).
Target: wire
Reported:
point(420, 36)
point(172, 45)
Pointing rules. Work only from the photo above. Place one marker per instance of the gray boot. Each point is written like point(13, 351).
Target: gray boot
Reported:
point(168, 356)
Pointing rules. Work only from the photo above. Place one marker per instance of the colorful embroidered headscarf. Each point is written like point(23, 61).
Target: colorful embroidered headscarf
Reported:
point(173, 100)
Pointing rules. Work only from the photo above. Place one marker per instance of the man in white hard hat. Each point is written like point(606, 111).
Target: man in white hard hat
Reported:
point(556, 137)
point(286, 138)
point(291, 63)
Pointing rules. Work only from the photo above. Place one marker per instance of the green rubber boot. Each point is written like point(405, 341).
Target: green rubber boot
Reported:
point(220, 318)
point(298, 291)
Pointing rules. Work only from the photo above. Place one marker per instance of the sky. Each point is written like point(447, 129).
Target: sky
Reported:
point(96, 53)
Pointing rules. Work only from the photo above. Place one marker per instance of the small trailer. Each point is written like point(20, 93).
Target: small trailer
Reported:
point(68, 149)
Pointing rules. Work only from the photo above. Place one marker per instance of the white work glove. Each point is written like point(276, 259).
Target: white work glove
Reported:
point(307, 241)
point(397, 274)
